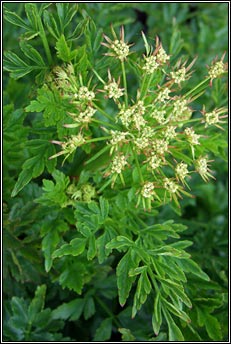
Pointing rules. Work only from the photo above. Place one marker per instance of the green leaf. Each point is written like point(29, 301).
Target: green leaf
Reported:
point(91, 252)
point(176, 311)
point(32, 54)
point(170, 251)
point(174, 332)
point(49, 243)
point(89, 308)
point(16, 66)
point(156, 316)
point(24, 178)
point(124, 281)
point(126, 335)
point(142, 291)
point(66, 12)
point(73, 276)
point(104, 207)
point(188, 265)
point(120, 242)
point(34, 166)
point(75, 248)
point(103, 332)
point(19, 320)
point(213, 327)
point(101, 243)
point(71, 310)
point(37, 304)
point(52, 103)
point(14, 19)
point(63, 50)
point(177, 289)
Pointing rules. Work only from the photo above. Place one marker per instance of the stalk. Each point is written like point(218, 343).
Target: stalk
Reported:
point(124, 83)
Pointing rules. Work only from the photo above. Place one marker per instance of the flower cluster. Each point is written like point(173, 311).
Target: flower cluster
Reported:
point(153, 138)
point(217, 68)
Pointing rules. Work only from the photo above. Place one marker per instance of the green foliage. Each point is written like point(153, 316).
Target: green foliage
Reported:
point(30, 321)
point(101, 244)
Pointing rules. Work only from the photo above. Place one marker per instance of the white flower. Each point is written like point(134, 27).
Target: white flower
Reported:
point(85, 94)
point(192, 137)
point(170, 186)
point(151, 64)
point(154, 161)
point(179, 75)
point(161, 56)
point(181, 171)
point(160, 146)
point(163, 95)
point(113, 90)
point(118, 164)
point(148, 190)
point(217, 69)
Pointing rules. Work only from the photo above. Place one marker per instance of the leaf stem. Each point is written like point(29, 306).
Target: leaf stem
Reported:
point(43, 36)
point(137, 164)
point(124, 83)
point(104, 113)
point(99, 77)
point(202, 83)
point(104, 123)
point(96, 139)
point(107, 310)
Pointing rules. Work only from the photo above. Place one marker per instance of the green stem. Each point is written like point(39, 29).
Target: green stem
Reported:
point(142, 85)
point(137, 164)
point(107, 310)
point(202, 83)
point(125, 83)
point(99, 77)
point(144, 89)
point(42, 34)
point(103, 138)
point(104, 113)
point(105, 123)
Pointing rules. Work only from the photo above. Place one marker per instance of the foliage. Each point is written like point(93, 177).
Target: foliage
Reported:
point(106, 237)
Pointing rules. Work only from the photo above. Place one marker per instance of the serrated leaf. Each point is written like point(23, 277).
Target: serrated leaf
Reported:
point(120, 242)
point(71, 310)
point(19, 318)
point(73, 276)
point(126, 334)
point(103, 332)
point(74, 248)
point(37, 304)
point(101, 243)
point(124, 281)
point(63, 50)
point(34, 166)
